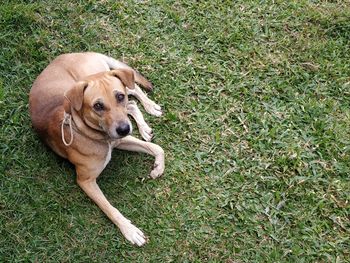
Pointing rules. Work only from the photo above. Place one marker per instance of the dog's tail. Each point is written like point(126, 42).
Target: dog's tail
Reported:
point(116, 64)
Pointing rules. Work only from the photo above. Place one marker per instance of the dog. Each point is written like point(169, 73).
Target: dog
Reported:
point(79, 106)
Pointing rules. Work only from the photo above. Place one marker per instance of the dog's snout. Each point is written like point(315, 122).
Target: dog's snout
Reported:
point(123, 129)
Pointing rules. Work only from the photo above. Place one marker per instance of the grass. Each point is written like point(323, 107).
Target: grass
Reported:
point(255, 129)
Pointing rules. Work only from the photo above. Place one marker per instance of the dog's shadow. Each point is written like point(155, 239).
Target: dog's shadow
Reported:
point(126, 168)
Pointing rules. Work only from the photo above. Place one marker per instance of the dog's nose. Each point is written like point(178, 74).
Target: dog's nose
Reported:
point(123, 129)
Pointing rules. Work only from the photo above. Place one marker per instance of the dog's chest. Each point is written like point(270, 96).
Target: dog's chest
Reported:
point(108, 155)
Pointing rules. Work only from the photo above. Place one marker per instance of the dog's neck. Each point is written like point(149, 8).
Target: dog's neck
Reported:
point(82, 128)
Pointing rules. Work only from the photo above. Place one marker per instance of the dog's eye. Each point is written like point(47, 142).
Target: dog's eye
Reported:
point(120, 97)
point(98, 106)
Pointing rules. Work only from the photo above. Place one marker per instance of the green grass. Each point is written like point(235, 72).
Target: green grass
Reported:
point(256, 132)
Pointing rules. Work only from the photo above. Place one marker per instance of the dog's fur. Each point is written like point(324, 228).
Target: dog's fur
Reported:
point(82, 98)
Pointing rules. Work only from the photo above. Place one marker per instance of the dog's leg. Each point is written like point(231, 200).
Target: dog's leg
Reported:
point(86, 179)
point(144, 129)
point(150, 106)
point(130, 143)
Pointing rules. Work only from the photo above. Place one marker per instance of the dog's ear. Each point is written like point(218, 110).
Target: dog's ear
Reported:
point(75, 96)
point(125, 75)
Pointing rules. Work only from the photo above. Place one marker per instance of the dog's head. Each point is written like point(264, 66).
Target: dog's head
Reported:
point(101, 101)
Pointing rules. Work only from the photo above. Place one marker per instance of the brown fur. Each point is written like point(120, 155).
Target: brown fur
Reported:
point(74, 83)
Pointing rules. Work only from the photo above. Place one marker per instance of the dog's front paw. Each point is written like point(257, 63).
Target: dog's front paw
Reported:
point(156, 172)
point(153, 108)
point(133, 234)
point(158, 168)
point(146, 132)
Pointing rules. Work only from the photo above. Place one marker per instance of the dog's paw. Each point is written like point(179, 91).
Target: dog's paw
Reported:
point(153, 108)
point(158, 168)
point(133, 234)
point(146, 132)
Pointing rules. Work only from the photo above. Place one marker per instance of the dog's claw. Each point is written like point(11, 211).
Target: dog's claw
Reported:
point(147, 137)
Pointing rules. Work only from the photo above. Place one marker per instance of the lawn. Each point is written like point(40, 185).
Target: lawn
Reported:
point(256, 129)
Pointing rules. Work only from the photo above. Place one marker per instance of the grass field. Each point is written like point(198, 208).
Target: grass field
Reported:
point(256, 130)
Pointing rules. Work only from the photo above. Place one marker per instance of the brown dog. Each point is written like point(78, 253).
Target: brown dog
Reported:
point(80, 107)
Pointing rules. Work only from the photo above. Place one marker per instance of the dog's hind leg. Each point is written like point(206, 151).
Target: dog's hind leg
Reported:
point(144, 129)
point(150, 106)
